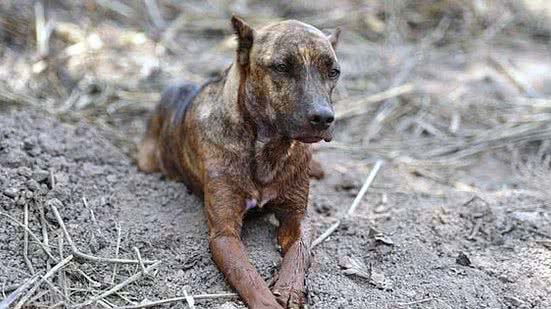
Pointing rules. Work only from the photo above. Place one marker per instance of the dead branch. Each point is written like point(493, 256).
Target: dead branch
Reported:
point(15, 294)
point(26, 239)
point(85, 256)
point(52, 271)
point(353, 107)
point(118, 286)
point(35, 238)
point(355, 203)
point(178, 299)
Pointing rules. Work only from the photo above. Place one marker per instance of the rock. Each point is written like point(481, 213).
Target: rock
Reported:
point(33, 185)
point(380, 237)
point(25, 172)
point(10, 192)
point(40, 175)
point(228, 305)
point(21, 201)
point(463, 260)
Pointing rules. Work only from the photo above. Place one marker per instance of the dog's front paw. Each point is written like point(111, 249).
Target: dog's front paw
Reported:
point(289, 291)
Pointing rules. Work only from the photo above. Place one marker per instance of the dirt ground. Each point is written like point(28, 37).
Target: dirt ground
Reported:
point(464, 231)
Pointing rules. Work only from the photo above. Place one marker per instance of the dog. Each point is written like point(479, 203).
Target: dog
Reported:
point(242, 141)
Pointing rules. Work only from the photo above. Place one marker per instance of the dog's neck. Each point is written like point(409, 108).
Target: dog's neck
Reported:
point(245, 110)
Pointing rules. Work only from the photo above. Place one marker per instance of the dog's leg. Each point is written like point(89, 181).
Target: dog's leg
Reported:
point(294, 237)
point(225, 210)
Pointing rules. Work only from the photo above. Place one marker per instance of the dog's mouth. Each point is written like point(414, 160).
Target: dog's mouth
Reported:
point(315, 138)
point(309, 139)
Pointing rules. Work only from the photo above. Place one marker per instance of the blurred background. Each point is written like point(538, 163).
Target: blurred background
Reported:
point(423, 81)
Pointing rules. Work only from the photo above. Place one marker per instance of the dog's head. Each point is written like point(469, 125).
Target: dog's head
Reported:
point(290, 72)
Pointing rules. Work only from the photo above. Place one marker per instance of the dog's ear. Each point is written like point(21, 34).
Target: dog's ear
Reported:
point(334, 37)
point(245, 36)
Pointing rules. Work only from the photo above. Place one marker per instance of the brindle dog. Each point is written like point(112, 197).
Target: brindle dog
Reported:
point(242, 141)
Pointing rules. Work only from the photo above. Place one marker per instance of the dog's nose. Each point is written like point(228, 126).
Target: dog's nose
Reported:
point(321, 118)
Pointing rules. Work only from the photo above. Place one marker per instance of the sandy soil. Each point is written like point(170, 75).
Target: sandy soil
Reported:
point(420, 247)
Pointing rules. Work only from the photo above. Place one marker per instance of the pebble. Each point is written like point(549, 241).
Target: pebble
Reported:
point(33, 185)
point(25, 172)
point(10, 192)
point(21, 201)
point(40, 175)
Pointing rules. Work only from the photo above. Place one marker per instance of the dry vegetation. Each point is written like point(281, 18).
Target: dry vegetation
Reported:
point(402, 97)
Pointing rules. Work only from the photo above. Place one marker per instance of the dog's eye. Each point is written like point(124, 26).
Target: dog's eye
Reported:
point(334, 73)
point(281, 68)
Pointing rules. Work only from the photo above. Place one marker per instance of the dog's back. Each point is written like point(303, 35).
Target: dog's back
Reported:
point(169, 113)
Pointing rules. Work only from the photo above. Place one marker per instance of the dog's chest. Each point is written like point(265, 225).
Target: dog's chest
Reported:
point(271, 168)
point(271, 160)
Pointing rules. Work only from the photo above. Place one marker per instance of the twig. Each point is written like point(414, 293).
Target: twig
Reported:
point(93, 217)
point(502, 66)
point(15, 294)
point(117, 7)
point(61, 278)
point(326, 234)
point(118, 286)
point(52, 179)
point(119, 229)
point(85, 256)
point(421, 301)
point(355, 203)
point(40, 29)
point(139, 256)
point(155, 13)
point(189, 300)
point(46, 250)
point(26, 239)
point(45, 239)
point(58, 304)
point(178, 299)
point(364, 188)
point(93, 282)
point(349, 108)
point(52, 271)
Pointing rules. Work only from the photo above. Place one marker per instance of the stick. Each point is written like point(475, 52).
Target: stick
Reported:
point(118, 286)
point(59, 304)
point(45, 238)
point(40, 25)
point(26, 240)
point(52, 271)
point(353, 108)
point(178, 299)
point(119, 230)
point(117, 7)
point(355, 203)
point(61, 278)
point(85, 256)
point(155, 13)
point(46, 250)
point(426, 300)
point(502, 66)
point(93, 217)
point(139, 256)
point(15, 294)
point(363, 190)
